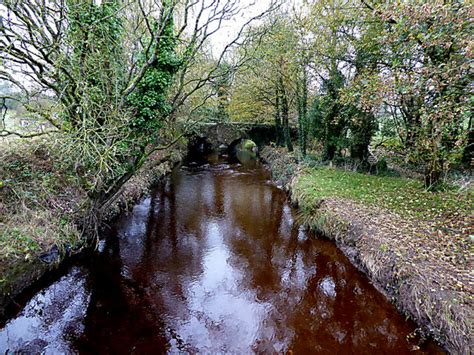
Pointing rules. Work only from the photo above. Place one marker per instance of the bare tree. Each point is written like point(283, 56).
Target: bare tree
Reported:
point(49, 49)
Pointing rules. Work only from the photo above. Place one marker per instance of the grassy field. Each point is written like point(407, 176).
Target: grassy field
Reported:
point(405, 196)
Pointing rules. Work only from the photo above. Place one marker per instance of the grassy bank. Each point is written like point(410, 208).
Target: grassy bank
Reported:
point(41, 203)
point(413, 244)
point(449, 210)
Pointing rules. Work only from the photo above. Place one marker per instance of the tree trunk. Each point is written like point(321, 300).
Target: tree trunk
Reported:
point(302, 92)
point(285, 118)
point(330, 152)
point(278, 126)
point(433, 174)
point(412, 118)
point(468, 154)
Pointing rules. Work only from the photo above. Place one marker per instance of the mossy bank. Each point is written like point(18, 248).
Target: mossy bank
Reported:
point(414, 245)
point(42, 208)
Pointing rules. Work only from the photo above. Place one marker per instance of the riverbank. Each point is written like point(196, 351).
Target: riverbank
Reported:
point(415, 246)
point(41, 205)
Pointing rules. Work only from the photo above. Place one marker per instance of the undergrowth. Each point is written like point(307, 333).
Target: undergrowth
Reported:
point(38, 202)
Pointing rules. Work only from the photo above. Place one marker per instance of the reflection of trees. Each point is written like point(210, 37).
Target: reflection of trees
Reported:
point(219, 195)
point(346, 321)
point(117, 319)
point(290, 274)
point(251, 238)
point(278, 267)
point(168, 263)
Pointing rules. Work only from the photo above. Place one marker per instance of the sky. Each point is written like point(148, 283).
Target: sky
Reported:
point(231, 27)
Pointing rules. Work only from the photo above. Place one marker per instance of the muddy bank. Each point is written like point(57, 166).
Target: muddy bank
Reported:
point(18, 274)
point(400, 256)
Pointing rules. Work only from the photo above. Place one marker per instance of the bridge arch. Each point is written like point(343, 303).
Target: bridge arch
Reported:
point(219, 134)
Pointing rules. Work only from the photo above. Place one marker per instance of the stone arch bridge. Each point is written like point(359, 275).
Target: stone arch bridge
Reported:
point(223, 136)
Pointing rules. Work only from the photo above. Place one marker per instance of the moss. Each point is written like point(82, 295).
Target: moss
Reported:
point(248, 144)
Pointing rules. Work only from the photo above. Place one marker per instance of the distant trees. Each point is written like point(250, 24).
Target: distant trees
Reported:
point(221, 86)
point(423, 72)
point(270, 68)
point(129, 77)
point(330, 115)
point(349, 70)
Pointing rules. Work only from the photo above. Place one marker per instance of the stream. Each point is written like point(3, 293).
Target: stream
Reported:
point(212, 262)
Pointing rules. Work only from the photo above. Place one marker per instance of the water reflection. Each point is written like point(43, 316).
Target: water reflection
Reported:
point(225, 268)
point(51, 319)
point(213, 262)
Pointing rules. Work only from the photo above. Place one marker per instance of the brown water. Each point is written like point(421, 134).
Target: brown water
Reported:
point(211, 262)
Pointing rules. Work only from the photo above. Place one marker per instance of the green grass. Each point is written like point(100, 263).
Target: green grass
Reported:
point(407, 197)
point(14, 243)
